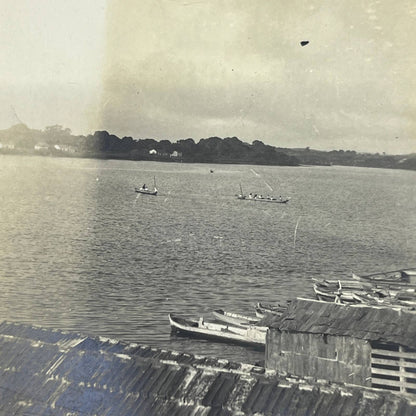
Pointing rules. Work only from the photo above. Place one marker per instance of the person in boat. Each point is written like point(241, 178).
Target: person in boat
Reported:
point(144, 187)
point(280, 197)
point(250, 195)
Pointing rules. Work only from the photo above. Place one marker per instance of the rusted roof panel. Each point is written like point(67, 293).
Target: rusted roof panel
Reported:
point(51, 373)
point(358, 321)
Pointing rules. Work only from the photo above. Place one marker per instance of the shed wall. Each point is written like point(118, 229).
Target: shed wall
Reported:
point(335, 358)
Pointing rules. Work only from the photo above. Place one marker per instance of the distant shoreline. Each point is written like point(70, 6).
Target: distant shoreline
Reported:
point(58, 142)
point(115, 157)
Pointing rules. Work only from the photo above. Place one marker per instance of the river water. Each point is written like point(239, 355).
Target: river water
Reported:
point(81, 251)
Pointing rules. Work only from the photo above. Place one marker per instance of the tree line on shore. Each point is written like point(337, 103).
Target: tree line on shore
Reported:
point(57, 141)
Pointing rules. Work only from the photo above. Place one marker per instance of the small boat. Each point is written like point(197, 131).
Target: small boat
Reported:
point(146, 191)
point(260, 198)
point(347, 292)
point(400, 300)
point(338, 286)
point(253, 335)
point(346, 284)
point(241, 194)
point(263, 308)
point(233, 318)
point(403, 276)
point(337, 296)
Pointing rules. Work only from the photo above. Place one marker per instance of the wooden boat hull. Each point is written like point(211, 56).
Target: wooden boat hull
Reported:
point(254, 336)
point(345, 292)
point(260, 198)
point(145, 192)
point(398, 280)
point(233, 318)
point(394, 302)
point(261, 309)
point(340, 297)
point(349, 284)
point(272, 200)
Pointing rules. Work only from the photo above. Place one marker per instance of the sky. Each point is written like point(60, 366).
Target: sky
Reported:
point(174, 69)
point(51, 62)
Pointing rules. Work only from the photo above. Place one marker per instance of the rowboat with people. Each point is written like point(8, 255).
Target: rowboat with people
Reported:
point(261, 198)
point(147, 191)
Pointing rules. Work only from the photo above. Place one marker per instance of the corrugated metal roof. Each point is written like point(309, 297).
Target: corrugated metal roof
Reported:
point(367, 322)
point(54, 373)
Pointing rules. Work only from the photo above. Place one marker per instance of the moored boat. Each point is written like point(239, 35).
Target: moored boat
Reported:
point(263, 308)
point(400, 300)
point(345, 283)
point(252, 335)
point(403, 277)
point(234, 318)
point(362, 292)
point(337, 296)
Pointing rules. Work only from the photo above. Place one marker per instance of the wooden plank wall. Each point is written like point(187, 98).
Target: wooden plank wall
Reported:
point(393, 368)
point(334, 358)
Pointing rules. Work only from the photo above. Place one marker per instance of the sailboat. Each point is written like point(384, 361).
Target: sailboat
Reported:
point(145, 190)
point(241, 194)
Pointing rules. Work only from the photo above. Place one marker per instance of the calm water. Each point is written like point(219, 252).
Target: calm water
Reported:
point(81, 251)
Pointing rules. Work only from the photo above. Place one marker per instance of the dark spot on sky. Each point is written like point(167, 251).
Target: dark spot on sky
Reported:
point(304, 42)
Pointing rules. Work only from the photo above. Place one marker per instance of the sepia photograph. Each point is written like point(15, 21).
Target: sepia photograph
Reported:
point(208, 208)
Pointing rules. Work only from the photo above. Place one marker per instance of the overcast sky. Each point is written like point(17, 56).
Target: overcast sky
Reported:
point(171, 69)
point(51, 62)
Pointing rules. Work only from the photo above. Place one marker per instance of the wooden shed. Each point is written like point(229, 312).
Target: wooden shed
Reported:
point(358, 344)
